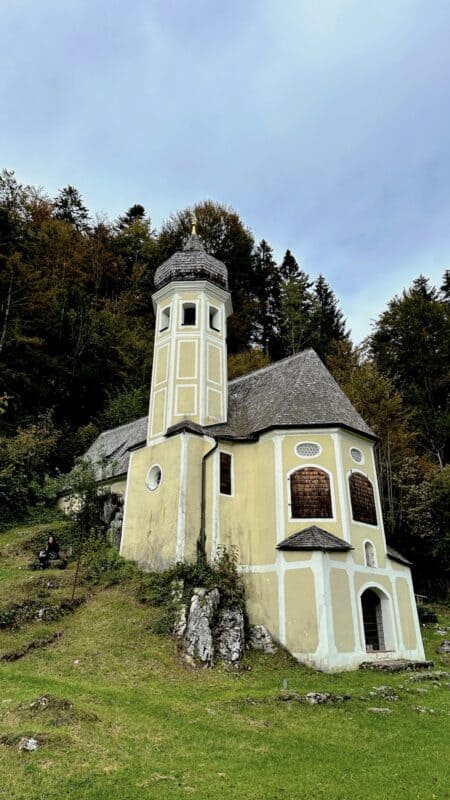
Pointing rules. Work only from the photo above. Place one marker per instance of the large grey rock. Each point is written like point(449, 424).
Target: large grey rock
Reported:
point(230, 636)
point(260, 639)
point(198, 635)
point(444, 647)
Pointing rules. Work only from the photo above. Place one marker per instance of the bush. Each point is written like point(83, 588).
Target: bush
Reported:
point(101, 564)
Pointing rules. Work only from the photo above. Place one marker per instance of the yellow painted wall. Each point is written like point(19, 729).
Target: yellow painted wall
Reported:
point(197, 447)
point(325, 459)
point(150, 532)
point(262, 600)
point(247, 519)
point(360, 531)
point(301, 612)
point(296, 555)
point(342, 611)
point(406, 613)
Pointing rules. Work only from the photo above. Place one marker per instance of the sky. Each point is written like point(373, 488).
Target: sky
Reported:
point(324, 123)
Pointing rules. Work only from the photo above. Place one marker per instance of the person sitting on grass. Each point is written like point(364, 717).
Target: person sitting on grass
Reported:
point(50, 552)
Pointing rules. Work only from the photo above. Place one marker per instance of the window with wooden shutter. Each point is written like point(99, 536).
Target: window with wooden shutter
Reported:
point(225, 473)
point(310, 494)
point(362, 499)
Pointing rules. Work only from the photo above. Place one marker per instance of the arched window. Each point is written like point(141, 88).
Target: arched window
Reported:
point(310, 494)
point(370, 556)
point(362, 499)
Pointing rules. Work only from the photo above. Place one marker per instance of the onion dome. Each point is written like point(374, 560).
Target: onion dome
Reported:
point(192, 263)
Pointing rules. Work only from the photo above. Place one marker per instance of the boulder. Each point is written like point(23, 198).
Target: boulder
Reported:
point(230, 635)
point(444, 647)
point(198, 636)
point(260, 639)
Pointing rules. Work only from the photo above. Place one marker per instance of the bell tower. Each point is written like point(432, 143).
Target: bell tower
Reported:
point(192, 303)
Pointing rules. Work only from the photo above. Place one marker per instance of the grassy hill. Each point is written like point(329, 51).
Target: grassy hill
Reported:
point(126, 719)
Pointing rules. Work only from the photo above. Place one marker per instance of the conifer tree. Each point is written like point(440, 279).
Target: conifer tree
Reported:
point(296, 306)
point(267, 287)
point(69, 206)
point(327, 320)
point(411, 344)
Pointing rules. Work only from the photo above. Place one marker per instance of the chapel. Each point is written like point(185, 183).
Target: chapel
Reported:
point(277, 464)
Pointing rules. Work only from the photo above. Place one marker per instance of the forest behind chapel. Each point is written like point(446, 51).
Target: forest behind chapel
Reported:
point(76, 339)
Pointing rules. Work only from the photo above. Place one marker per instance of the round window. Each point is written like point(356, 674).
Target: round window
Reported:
point(308, 449)
point(356, 455)
point(153, 479)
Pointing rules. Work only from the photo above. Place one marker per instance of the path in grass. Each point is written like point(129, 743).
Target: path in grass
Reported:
point(141, 725)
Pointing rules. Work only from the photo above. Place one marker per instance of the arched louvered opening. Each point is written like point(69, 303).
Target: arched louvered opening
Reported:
point(362, 499)
point(310, 494)
point(372, 620)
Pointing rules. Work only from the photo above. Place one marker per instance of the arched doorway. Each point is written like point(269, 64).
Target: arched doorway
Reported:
point(373, 620)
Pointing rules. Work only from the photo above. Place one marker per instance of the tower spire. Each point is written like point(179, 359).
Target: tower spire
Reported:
point(194, 224)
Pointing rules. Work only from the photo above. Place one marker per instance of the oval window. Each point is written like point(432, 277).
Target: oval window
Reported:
point(356, 455)
point(308, 449)
point(153, 479)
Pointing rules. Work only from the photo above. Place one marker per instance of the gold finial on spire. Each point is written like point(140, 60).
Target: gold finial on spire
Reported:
point(194, 224)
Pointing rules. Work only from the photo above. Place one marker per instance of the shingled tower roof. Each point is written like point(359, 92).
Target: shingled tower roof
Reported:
point(192, 263)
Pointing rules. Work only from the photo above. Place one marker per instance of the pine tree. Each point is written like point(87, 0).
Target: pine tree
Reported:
point(267, 287)
point(69, 206)
point(289, 268)
point(296, 306)
point(134, 213)
point(327, 320)
point(411, 344)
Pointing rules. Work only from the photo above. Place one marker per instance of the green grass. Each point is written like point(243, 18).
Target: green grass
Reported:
point(142, 725)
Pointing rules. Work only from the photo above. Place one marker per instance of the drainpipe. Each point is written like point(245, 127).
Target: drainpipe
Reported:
point(201, 542)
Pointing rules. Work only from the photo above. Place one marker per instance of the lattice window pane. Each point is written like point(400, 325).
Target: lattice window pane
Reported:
point(356, 455)
point(308, 449)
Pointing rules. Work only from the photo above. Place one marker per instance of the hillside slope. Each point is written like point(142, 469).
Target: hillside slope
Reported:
point(125, 719)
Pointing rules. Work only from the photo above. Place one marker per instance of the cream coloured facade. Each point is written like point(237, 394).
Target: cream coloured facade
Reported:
point(278, 465)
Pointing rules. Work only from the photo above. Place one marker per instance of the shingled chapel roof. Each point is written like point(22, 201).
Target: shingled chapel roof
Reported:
point(192, 263)
point(297, 391)
point(314, 538)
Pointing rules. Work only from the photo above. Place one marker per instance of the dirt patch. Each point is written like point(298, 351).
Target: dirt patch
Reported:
point(36, 644)
point(55, 710)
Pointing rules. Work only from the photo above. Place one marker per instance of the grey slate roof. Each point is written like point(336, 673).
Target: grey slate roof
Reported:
point(314, 538)
point(191, 264)
point(110, 453)
point(296, 392)
point(396, 556)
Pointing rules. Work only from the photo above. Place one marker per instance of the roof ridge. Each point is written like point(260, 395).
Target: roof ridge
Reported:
point(274, 364)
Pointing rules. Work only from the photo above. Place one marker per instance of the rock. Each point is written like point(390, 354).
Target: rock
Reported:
point(438, 675)
point(198, 635)
point(424, 710)
point(375, 710)
point(441, 631)
point(28, 743)
point(179, 627)
point(444, 647)
point(386, 692)
point(230, 635)
point(396, 666)
point(260, 639)
point(317, 698)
